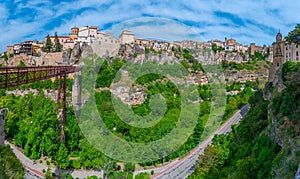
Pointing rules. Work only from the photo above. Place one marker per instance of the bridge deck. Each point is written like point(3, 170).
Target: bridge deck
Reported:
point(15, 76)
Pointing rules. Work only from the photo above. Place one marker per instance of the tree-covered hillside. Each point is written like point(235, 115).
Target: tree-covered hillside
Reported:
point(32, 121)
point(266, 143)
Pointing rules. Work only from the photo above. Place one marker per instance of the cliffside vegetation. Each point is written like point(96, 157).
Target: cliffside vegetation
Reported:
point(10, 166)
point(266, 143)
point(285, 115)
point(294, 35)
point(247, 152)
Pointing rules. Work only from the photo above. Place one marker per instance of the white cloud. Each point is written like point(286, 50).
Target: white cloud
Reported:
point(261, 18)
point(156, 28)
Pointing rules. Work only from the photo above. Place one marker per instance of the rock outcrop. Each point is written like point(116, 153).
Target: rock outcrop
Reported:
point(78, 52)
point(127, 96)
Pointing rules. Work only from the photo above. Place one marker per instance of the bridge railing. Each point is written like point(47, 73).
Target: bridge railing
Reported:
point(15, 76)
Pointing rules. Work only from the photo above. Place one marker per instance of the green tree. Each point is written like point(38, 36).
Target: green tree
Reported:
point(129, 167)
point(5, 56)
point(48, 44)
point(48, 174)
point(21, 64)
point(62, 157)
point(143, 175)
point(294, 35)
point(246, 168)
point(57, 44)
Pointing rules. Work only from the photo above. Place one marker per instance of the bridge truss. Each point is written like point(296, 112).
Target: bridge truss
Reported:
point(16, 76)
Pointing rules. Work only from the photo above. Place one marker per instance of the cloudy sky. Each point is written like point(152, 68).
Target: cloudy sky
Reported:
point(247, 21)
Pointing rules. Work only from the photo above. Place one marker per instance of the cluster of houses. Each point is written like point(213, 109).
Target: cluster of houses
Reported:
point(27, 47)
point(106, 44)
point(33, 48)
point(109, 44)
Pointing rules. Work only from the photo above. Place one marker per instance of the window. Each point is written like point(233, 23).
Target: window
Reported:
point(297, 54)
point(287, 48)
point(296, 46)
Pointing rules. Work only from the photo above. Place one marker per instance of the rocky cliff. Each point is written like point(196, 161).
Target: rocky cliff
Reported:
point(284, 115)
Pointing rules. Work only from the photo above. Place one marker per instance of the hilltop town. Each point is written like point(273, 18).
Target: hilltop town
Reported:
point(67, 50)
point(104, 45)
point(129, 47)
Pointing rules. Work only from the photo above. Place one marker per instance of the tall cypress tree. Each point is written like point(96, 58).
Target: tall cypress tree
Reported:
point(57, 43)
point(48, 44)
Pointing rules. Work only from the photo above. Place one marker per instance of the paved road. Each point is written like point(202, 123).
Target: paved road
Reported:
point(34, 170)
point(184, 167)
point(31, 175)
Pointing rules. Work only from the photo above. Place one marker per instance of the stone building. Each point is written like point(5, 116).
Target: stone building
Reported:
point(263, 50)
point(284, 51)
point(68, 44)
point(255, 48)
point(26, 47)
point(105, 45)
point(17, 48)
point(141, 42)
point(61, 39)
point(278, 58)
point(74, 33)
point(230, 44)
point(219, 43)
point(278, 48)
point(126, 37)
point(291, 52)
point(87, 34)
point(10, 49)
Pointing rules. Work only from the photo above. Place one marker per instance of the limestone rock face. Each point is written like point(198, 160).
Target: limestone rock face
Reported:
point(86, 50)
point(80, 52)
point(137, 49)
point(66, 56)
point(14, 61)
point(75, 55)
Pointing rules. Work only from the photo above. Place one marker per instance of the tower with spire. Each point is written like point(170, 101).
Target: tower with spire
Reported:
point(278, 46)
point(74, 33)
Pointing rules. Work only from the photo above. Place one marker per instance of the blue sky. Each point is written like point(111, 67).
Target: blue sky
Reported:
point(247, 21)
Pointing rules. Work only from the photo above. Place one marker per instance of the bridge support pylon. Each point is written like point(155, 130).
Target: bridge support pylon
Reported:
point(2, 122)
point(62, 87)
